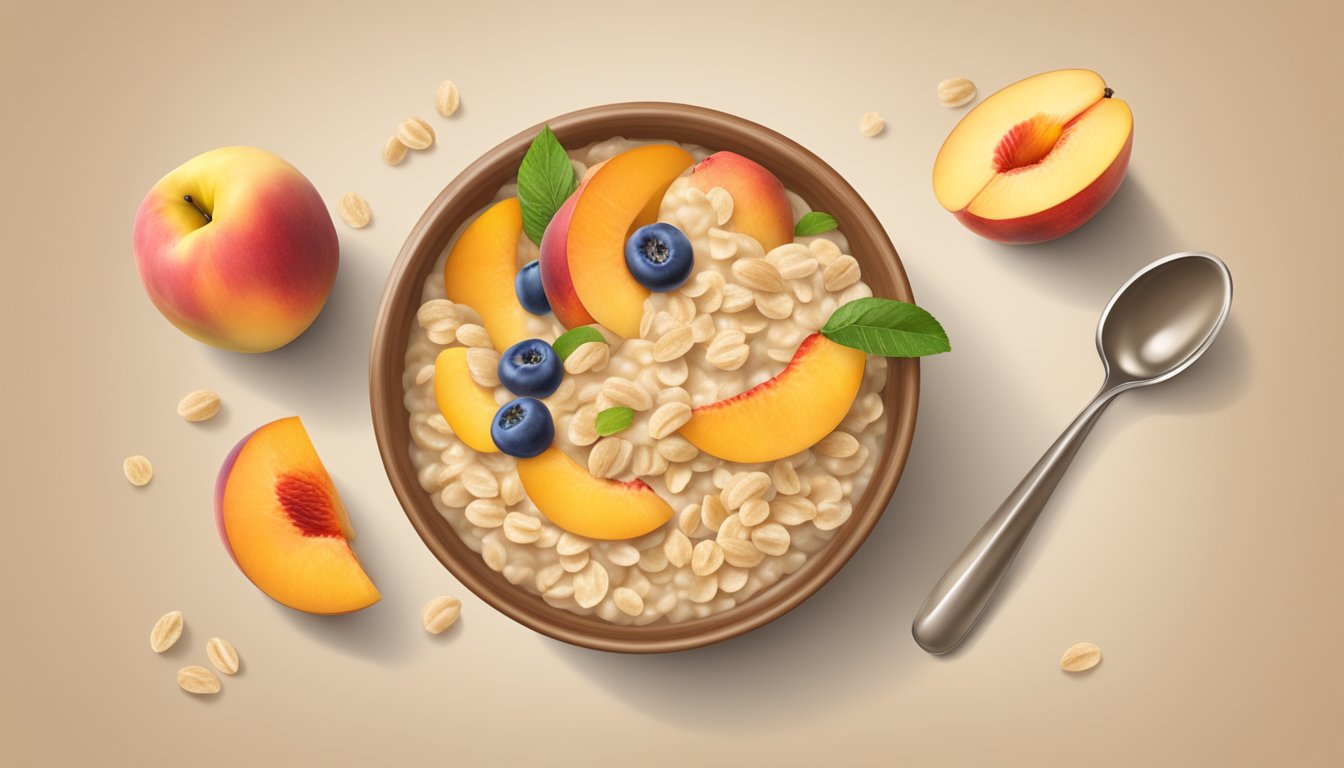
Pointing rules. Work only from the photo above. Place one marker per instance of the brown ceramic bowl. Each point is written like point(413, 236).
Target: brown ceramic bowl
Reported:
point(802, 172)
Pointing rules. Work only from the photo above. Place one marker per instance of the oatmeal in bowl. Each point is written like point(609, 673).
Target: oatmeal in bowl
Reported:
point(636, 392)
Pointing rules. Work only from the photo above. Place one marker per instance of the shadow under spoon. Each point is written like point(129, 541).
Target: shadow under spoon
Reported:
point(1159, 322)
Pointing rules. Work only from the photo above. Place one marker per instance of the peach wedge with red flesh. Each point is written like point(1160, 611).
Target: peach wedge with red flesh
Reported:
point(466, 406)
point(1037, 159)
point(760, 206)
point(786, 414)
point(590, 506)
point(612, 203)
point(284, 524)
point(480, 269)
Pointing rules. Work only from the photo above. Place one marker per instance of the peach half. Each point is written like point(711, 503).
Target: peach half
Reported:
point(480, 269)
point(284, 524)
point(589, 506)
point(466, 406)
point(1037, 159)
point(583, 251)
point(786, 414)
point(760, 207)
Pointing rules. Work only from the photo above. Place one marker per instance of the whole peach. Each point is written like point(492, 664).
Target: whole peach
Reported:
point(236, 248)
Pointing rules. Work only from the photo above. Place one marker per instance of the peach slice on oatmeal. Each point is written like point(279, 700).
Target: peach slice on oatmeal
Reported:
point(284, 524)
point(760, 206)
point(466, 406)
point(594, 507)
point(617, 198)
point(786, 414)
point(480, 270)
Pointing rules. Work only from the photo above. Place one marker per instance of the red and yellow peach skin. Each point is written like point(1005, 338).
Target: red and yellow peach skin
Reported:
point(555, 278)
point(760, 206)
point(249, 261)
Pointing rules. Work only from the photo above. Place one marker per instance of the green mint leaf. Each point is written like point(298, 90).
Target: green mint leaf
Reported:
point(814, 223)
point(574, 338)
point(887, 328)
point(613, 420)
point(545, 181)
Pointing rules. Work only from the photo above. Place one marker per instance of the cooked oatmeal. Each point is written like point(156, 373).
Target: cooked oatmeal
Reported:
point(734, 324)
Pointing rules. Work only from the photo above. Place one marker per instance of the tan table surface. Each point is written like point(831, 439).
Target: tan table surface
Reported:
point(1196, 540)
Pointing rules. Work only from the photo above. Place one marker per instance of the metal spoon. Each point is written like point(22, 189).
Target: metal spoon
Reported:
point(1159, 322)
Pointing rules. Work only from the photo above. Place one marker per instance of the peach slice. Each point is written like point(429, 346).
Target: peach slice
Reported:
point(555, 279)
point(786, 414)
point(612, 202)
point(590, 506)
point(1037, 159)
point(466, 406)
point(284, 524)
point(760, 207)
point(480, 269)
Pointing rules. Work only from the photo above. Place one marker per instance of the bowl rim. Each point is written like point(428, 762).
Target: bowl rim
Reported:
point(462, 199)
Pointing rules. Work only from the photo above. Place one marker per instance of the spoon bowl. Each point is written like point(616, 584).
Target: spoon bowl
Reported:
point(1164, 317)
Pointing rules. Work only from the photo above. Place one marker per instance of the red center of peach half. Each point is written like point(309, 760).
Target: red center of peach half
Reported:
point(1027, 143)
point(283, 521)
point(308, 504)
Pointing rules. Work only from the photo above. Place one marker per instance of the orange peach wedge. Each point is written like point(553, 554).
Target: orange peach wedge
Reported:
point(466, 406)
point(785, 414)
point(760, 206)
point(480, 268)
point(617, 198)
point(1037, 159)
point(590, 506)
point(283, 522)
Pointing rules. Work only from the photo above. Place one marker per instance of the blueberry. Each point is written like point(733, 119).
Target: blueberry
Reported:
point(523, 428)
point(532, 368)
point(527, 285)
point(659, 256)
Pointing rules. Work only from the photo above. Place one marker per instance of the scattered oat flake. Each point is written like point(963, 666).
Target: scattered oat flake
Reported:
point(197, 679)
point(354, 211)
point(440, 613)
point(871, 124)
point(956, 92)
point(223, 655)
point(446, 99)
point(138, 470)
point(166, 631)
point(393, 151)
point(1080, 657)
point(415, 133)
point(201, 405)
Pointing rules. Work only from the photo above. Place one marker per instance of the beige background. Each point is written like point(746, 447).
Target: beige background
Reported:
point(1196, 539)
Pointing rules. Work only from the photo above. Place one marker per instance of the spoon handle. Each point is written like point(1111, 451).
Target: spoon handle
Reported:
point(959, 598)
